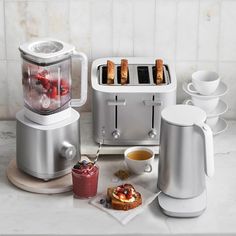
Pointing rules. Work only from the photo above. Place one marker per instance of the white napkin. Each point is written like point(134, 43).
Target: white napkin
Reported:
point(125, 216)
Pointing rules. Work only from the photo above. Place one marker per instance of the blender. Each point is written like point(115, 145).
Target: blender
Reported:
point(48, 136)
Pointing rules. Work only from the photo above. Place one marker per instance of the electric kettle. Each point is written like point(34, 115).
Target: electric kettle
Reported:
point(186, 152)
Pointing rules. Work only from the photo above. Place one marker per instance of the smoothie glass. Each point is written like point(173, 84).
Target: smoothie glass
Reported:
point(85, 180)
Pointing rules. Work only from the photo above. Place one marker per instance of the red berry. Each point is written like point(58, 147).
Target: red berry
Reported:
point(54, 82)
point(121, 196)
point(129, 195)
point(52, 92)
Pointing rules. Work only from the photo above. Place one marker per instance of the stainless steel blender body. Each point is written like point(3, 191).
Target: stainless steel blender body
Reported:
point(181, 161)
point(47, 152)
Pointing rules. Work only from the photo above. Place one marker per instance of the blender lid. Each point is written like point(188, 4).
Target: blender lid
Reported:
point(183, 115)
point(46, 50)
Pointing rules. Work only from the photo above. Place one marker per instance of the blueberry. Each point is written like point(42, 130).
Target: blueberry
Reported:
point(102, 201)
point(125, 192)
point(108, 205)
point(84, 162)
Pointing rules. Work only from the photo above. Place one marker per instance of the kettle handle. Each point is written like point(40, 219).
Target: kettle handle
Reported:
point(209, 150)
point(84, 80)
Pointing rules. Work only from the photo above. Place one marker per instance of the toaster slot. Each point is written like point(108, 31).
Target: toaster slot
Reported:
point(143, 75)
point(119, 75)
point(104, 75)
point(165, 72)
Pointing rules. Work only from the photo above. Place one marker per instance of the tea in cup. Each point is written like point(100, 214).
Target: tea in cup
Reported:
point(139, 159)
point(204, 82)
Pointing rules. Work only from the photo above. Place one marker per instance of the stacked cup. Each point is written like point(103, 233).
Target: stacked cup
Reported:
point(205, 90)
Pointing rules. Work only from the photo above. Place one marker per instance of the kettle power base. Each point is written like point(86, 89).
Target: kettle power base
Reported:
point(34, 185)
point(183, 208)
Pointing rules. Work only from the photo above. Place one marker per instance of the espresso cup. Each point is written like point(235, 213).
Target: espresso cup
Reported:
point(204, 82)
point(206, 104)
point(139, 159)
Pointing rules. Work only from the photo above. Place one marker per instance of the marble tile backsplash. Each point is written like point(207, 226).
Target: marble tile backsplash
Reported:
point(193, 34)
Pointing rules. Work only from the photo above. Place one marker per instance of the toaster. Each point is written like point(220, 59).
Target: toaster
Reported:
point(130, 114)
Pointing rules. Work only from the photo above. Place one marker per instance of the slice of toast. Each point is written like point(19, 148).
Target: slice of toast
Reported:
point(124, 71)
point(110, 72)
point(159, 71)
point(124, 206)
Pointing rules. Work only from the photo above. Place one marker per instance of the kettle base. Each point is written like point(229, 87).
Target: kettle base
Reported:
point(183, 208)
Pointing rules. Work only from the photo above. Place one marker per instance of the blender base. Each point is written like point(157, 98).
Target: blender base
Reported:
point(183, 208)
point(47, 151)
point(47, 119)
point(35, 185)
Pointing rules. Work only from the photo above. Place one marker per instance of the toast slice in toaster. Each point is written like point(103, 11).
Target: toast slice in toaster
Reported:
point(124, 71)
point(159, 71)
point(110, 72)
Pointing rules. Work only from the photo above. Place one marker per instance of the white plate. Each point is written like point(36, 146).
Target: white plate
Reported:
point(220, 91)
point(221, 108)
point(220, 127)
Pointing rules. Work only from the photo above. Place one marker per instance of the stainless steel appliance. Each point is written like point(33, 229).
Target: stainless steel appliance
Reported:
point(48, 141)
point(130, 114)
point(186, 155)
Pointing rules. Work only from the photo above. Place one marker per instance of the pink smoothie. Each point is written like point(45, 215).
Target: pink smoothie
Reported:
point(85, 180)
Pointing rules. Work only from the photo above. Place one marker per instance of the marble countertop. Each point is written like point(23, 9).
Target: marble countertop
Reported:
point(27, 213)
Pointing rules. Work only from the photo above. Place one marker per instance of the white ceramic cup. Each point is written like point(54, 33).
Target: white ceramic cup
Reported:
point(204, 82)
point(207, 104)
point(212, 121)
point(139, 166)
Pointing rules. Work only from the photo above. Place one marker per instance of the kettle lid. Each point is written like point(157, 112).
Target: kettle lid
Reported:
point(183, 115)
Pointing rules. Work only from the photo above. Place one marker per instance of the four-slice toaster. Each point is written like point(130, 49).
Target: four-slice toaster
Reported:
point(130, 114)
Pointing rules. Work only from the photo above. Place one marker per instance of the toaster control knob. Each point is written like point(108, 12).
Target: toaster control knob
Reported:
point(68, 151)
point(116, 134)
point(152, 134)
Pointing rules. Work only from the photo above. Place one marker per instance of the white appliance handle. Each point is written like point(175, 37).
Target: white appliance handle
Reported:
point(209, 150)
point(84, 80)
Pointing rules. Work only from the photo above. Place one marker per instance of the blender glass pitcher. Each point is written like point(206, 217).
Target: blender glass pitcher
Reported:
point(46, 76)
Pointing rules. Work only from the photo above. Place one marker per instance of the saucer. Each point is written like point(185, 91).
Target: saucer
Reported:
point(220, 91)
point(221, 108)
point(220, 127)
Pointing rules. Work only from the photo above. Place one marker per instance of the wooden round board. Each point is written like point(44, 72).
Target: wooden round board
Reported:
point(34, 185)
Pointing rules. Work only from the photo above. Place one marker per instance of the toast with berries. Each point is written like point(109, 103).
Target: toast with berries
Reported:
point(124, 197)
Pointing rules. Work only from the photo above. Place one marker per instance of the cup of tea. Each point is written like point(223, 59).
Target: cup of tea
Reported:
point(204, 82)
point(139, 159)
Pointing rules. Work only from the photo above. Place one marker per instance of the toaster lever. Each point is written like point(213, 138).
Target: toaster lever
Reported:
point(116, 102)
point(152, 103)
